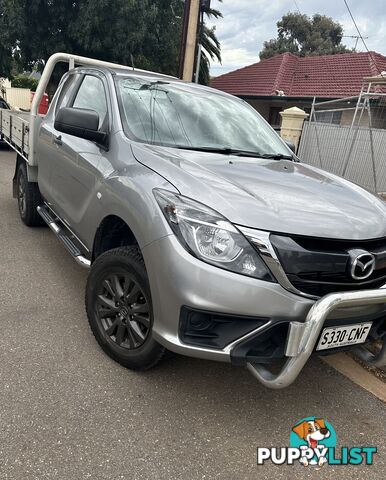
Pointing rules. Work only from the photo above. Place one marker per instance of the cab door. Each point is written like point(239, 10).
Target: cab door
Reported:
point(74, 166)
point(46, 149)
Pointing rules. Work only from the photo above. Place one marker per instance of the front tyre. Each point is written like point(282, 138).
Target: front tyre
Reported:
point(119, 308)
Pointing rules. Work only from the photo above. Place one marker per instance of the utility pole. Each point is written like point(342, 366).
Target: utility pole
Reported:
point(205, 5)
point(189, 39)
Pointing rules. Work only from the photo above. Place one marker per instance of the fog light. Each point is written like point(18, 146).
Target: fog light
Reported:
point(214, 330)
point(197, 321)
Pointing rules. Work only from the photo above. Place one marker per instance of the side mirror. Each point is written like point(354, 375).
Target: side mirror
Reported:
point(290, 145)
point(81, 123)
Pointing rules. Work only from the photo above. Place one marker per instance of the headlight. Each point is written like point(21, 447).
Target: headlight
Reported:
point(210, 237)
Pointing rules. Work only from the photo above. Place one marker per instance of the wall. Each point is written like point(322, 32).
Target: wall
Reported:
point(18, 97)
point(262, 106)
point(348, 115)
point(265, 107)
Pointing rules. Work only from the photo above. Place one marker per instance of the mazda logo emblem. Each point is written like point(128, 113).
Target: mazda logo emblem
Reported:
point(362, 264)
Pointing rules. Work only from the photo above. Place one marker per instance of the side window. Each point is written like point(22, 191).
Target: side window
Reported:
point(91, 95)
point(66, 92)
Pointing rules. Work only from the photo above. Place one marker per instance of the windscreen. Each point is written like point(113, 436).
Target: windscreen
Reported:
point(180, 115)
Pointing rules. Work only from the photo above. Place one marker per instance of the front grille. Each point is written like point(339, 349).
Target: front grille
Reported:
point(320, 266)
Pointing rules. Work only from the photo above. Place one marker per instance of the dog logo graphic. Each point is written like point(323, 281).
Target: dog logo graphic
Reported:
point(313, 436)
point(313, 442)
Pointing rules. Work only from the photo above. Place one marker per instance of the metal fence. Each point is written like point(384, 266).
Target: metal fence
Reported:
point(348, 137)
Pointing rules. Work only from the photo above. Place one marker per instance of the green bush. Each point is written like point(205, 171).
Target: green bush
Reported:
point(22, 81)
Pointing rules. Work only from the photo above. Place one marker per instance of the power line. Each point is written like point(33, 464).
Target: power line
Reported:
point(297, 6)
point(361, 37)
point(356, 26)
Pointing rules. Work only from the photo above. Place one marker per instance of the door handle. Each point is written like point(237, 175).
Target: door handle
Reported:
point(58, 140)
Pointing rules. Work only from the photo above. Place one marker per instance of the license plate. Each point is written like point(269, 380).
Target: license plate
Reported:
point(333, 337)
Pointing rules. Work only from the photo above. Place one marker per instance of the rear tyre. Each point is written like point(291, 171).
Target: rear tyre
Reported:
point(119, 308)
point(28, 198)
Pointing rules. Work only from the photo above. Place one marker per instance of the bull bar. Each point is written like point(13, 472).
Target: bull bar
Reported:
point(302, 337)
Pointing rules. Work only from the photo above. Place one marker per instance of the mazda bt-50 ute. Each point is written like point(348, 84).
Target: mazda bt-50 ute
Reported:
point(204, 233)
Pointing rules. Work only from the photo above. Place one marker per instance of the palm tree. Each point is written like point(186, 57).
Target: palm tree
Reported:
point(211, 48)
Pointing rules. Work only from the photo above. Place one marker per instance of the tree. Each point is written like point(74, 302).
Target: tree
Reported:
point(10, 23)
point(145, 33)
point(24, 81)
point(303, 35)
point(31, 30)
point(211, 49)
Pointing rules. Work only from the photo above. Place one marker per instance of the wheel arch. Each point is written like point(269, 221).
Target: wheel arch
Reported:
point(31, 173)
point(112, 232)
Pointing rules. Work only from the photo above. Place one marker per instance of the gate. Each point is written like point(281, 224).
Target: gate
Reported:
point(347, 137)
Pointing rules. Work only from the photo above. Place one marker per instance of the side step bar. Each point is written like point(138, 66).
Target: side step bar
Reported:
point(63, 235)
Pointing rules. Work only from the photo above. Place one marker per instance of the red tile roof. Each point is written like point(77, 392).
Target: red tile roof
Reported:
point(334, 76)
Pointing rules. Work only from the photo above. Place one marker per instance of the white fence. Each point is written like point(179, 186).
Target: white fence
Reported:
point(18, 97)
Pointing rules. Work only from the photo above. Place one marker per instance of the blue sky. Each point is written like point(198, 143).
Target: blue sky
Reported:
point(248, 23)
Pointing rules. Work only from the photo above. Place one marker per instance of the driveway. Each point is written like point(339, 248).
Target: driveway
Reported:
point(67, 411)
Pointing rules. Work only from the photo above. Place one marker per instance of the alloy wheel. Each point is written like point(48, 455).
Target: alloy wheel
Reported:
point(123, 311)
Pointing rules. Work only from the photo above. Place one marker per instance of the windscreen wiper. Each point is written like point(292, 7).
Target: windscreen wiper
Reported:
point(276, 156)
point(145, 86)
point(237, 152)
point(222, 151)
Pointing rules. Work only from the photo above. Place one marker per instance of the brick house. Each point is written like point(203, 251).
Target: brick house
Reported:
point(286, 80)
